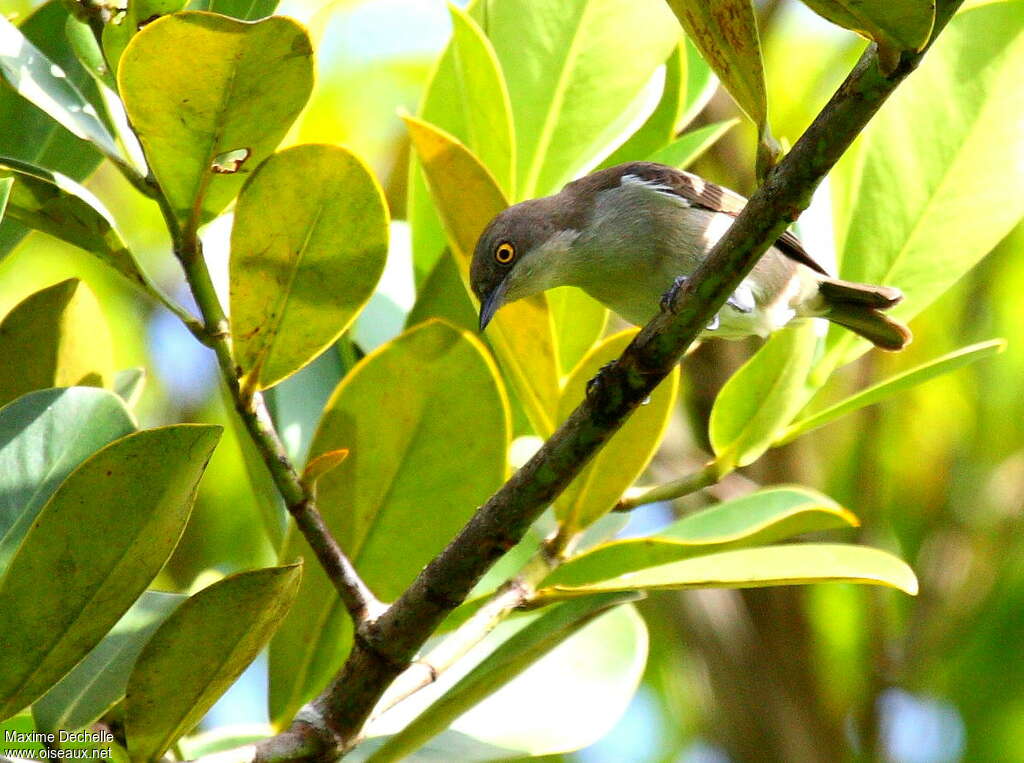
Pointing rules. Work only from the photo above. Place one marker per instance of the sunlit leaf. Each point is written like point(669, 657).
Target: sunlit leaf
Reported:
point(790, 564)
point(701, 84)
point(255, 79)
point(57, 205)
point(57, 337)
point(766, 516)
point(128, 384)
point(506, 662)
point(399, 496)
point(39, 80)
point(725, 32)
point(199, 651)
point(70, 587)
point(137, 14)
point(88, 52)
point(660, 127)
point(896, 25)
point(44, 435)
point(467, 198)
point(554, 53)
point(597, 489)
point(442, 295)
point(947, 140)
point(688, 147)
point(894, 385)
point(99, 681)
point(5, 192)
point(762, 397)
point(301, 275)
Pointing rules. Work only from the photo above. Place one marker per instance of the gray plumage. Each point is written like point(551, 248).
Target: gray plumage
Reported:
point(624, 234)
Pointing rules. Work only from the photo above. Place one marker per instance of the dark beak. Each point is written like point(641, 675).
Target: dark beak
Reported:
point(491, 304)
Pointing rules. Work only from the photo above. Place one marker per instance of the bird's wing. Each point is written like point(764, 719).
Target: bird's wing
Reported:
point(701, 193)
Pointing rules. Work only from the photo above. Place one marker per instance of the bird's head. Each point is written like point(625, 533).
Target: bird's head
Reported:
point(520, 253)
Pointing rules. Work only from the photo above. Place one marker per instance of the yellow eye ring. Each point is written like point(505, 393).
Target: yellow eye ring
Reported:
point(505, 253)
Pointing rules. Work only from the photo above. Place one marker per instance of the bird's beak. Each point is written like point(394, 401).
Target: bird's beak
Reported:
point(491, 304)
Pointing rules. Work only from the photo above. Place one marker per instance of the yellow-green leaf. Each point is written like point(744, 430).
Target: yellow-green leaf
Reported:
point(766, 516)
point(688, 147)
point(725, 32)
point(199, 651)
point(579, 322)
point(467, 199)
point(896, 25)
point(300, 275)
point(426, 424)
point(198, 85)
point(762, 397)
point(137, 14)
point(790, 564)
point(597, 489)
point(57, 337)
point(70, 587)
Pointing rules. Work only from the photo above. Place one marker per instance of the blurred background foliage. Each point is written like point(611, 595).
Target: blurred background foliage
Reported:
point(810, 673)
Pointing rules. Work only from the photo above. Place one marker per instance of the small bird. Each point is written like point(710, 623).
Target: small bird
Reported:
point(627, 234)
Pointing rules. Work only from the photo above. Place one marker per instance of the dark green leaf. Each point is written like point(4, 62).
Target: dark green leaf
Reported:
point(134, 496)
point(199, 651)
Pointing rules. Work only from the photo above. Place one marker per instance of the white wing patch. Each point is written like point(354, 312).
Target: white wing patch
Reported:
point(660, 188)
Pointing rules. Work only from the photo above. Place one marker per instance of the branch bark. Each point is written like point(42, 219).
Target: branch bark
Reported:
point(385, 647)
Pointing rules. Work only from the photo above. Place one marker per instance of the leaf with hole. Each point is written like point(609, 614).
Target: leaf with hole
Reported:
point(255, 79)
point(300, 276)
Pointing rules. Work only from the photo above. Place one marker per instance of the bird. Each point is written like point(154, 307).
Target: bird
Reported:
point(629, 235)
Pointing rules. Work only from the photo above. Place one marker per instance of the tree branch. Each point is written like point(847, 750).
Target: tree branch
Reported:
point(360, 602)
point(385, 648)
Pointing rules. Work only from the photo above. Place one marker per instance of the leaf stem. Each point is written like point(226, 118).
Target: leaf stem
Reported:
point(704, 477)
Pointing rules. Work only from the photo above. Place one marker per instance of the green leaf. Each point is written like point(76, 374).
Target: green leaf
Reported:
point(44, 435)
point(70, 587)
point(579, 322)
point(701, 85)
point(762, 397)
point(766, 516)
point(5, 193)
point(42, 82)
point(893, 385)
point(479, 112)
point(128, 384)
point(495, 671)
point(60, 339)
point(553, 53)
point(330, 226)
point(687, 148)
point(945, 141)
point(790, 564)
point(448, 745)
point(99, 681)
point(597, 489)
point(199, 651)
point(896, 25)
point(400, 496)
point(137, 14)
point(442, 295)
point(725, 32)
point(57, 205)
point(29, 133)
point(467, 198)
point(256, 77)
point(88, 52)
point(660, 127)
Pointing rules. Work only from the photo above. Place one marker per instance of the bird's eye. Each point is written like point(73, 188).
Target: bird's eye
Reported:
point(505, 253)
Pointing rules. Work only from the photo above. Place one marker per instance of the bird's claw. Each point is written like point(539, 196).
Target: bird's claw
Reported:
point(741, 303)
point(713, 324)
point(668, 299)
point(592, 384)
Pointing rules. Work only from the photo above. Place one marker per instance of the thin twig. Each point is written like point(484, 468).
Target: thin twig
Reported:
point(708, 475)
point(383, 652)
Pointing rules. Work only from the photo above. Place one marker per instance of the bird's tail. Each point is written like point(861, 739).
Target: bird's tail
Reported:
point(859, 308)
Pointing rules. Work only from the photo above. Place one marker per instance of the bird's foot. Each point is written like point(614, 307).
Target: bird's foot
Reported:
point(592, 384)
point(668, 299)
point(742, 301)
point(714, 324)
